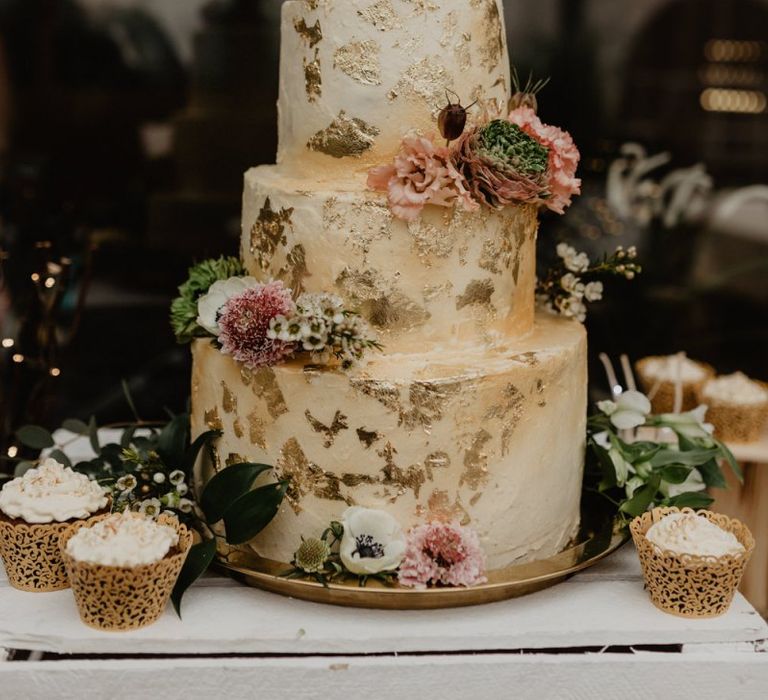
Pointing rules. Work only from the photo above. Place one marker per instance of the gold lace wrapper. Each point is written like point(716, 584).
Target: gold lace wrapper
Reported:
point(32, 556)
point(686, 585)
point(114, 598)
point(737, 423)
point(663, 399)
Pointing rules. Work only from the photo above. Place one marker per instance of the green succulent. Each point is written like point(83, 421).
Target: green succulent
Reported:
point(509, 147)
point(201, 277)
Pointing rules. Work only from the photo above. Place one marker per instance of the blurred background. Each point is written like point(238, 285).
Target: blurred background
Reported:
point(126, 125)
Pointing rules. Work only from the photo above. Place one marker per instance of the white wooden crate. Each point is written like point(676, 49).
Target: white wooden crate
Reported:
point(541, 646)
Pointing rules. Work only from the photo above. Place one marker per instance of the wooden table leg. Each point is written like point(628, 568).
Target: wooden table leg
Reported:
point(749, 503)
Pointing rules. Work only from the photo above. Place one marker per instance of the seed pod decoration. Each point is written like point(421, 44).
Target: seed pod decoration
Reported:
point(525, 96)
point(453, 119)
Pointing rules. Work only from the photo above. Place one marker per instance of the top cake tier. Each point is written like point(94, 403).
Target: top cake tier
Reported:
point(356, 75)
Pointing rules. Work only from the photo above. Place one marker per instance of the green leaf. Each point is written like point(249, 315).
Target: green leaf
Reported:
point(173, 440)
point(227, 487)
point(251, 513)
point(93, 435)
point(606, 465)
point(60, 457)
point(642, 498)
point(127, 436)
point(76, 426)
point(193, 450)
point(712, 474)
point(690, 458)
point(197, 562)
point(35, 437)
point(694, 499)
point(22, 468)
point(675, 473)
point(728, 456)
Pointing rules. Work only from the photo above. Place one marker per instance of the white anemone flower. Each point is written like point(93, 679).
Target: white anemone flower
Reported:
point(373, 541)
point(629, 411)
point(210, 304)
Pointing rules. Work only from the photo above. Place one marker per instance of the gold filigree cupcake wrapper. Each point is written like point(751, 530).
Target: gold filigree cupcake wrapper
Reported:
point(115, 598)
point(32, 556)
point(744, 423)
point(687, 585)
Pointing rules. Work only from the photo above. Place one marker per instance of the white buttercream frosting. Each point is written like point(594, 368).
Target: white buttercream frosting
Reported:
point(51, 492)
point(688, 533)
point(674, 368)
point(735, 388)
point(123, 539)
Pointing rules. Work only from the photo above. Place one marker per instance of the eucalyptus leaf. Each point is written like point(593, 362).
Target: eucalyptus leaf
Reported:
point(22, 468)
point(60, 457)
point(35, 437)
point(696, 499)
point(74, 425)
point(227, 487)
point(675, 473)
point(127, 437)
point(93, 435)
point(251, 513)
point(196, 564)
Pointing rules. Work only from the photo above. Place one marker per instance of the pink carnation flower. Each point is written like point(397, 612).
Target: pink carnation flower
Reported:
point(442, 553)
point(563, 157)
point(421, 174)
point(244, 322)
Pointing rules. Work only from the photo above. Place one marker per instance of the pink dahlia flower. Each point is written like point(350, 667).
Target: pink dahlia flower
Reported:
point(244, 322)
point(442, 553)
point(563, 157)
point(421, 174)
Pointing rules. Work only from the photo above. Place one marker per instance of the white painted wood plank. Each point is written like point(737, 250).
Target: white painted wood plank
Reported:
point(244, 620)
point(530, 677)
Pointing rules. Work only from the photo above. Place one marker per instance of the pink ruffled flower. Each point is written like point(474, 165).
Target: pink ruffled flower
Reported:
point(244, 322)
point(442, 553)
point(563, 157)
point(421, 174)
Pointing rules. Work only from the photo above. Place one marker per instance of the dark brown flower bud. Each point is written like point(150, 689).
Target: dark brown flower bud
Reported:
point(452, 119)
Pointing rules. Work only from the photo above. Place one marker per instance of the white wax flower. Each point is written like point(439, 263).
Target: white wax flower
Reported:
point(373, 541)
point(689, 533)
point(629, 411)
point(210, 304)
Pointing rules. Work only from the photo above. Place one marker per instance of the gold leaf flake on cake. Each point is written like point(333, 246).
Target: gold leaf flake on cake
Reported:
point(386, 393)
point(436, 460)
point(212, 419)
point(228, 399)
point(403, 479)
point(367, 437)
point(450, 23)
point(313, 35)
point(540, 389)
point(475, 472)
point(440, 507)
point(264, 384)
point(256, 430)
point(360, 61)
point(426, 79)
point(295, 271)
point(305, 477)
point(313, 77)
point(338, 424)
point(478, 292)
point(428, 402)
point(492, 44)
point(420, 7)
point(268, 232)
point(435, 291)
point(381, 15)
point(430, 241)
point(234, 458)
point(365, 222)
point(237, 428)
point(311, 4)
point(462, 51)
point(509, 410)
point(525, 358)
point(346, 136)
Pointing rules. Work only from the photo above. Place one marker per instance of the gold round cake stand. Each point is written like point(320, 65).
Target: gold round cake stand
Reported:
point(600, 535)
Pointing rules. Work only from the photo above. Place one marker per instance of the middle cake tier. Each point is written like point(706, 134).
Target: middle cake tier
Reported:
point(449, 277)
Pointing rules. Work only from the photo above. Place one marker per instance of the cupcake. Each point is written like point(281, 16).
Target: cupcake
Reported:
point(692, 562)
point(122, 567)
point(34, 510)
point(659, 376)
point(738, 407)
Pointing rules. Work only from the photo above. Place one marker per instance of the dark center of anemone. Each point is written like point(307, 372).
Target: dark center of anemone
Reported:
point(367, 548)
point(508, 145)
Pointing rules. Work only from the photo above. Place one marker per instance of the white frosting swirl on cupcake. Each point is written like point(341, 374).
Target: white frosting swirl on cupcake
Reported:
point(123, 539)
point(735, 388)
point(50, 493)
point(688, 533)
point(673, 368)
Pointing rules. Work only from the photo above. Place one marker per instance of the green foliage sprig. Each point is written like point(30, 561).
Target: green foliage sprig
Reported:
point(201, 277)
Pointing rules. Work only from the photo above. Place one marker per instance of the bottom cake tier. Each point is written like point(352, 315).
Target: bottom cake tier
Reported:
point(491, 438)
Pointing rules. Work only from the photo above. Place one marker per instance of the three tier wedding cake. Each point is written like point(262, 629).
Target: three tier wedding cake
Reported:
point(473, 409)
